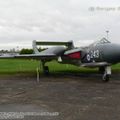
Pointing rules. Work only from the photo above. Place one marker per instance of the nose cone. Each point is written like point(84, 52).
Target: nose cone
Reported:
point(112, 53)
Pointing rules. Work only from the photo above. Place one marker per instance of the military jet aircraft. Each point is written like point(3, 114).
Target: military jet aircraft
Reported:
point(101, 54)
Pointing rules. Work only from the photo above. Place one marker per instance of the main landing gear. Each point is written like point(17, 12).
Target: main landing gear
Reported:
point(106, 73)
point(45, 69)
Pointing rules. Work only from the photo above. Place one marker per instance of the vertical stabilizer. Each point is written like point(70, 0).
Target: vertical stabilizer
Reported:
point(35, 47)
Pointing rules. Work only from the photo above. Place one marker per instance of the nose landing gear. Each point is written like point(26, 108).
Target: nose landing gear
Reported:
point(107, 74)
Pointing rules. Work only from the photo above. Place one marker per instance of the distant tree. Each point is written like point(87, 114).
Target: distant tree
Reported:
point(30, 51)
point(4, 51)
point(26, 51)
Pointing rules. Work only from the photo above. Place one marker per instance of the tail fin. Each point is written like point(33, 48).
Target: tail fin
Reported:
point(35, 47)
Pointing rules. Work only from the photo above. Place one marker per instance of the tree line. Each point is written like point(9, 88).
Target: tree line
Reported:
point(22, 51)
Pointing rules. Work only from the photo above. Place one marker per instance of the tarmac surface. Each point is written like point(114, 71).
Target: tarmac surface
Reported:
point(60, 97)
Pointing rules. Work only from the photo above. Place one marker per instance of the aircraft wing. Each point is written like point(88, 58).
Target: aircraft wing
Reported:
point(36, 56)
point(29, 56)
point(50, 53)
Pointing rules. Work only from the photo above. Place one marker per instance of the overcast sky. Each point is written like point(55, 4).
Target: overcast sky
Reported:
point(22, 21)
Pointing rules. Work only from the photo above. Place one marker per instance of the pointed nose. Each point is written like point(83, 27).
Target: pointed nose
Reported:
point(112, 53)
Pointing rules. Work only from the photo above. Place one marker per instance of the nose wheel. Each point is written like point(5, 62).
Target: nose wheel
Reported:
point(107, 74)
point(106, 78)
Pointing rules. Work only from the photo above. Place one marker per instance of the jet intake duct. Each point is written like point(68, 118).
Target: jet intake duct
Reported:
point(73, 54)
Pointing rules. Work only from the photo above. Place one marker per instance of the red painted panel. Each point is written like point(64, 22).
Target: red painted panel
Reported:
point(75, 55)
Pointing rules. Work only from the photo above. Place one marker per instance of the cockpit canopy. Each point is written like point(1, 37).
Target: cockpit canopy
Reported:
point(102, 41)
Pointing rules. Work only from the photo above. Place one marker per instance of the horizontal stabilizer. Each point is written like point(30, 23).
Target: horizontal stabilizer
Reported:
point(68, 44)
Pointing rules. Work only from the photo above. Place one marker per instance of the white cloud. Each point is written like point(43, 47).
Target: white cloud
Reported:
point(26, 20)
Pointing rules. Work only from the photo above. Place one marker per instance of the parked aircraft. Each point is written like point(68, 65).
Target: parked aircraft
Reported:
point(101, 54)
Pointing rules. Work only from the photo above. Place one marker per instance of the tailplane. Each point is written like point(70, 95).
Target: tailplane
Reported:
point(68, 44)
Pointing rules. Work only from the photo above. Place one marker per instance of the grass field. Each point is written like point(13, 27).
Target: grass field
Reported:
point(13, 66)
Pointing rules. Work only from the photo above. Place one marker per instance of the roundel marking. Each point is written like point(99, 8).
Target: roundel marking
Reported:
point(88, 57)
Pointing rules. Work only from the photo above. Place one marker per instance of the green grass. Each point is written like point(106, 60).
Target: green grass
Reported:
point(116, 68)
point(14, 66)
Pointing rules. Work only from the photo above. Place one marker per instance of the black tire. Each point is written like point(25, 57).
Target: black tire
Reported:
point(106, 78)
point(46, 70)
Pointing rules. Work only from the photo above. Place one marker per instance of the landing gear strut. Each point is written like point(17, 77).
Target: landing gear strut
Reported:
point(107, 74)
